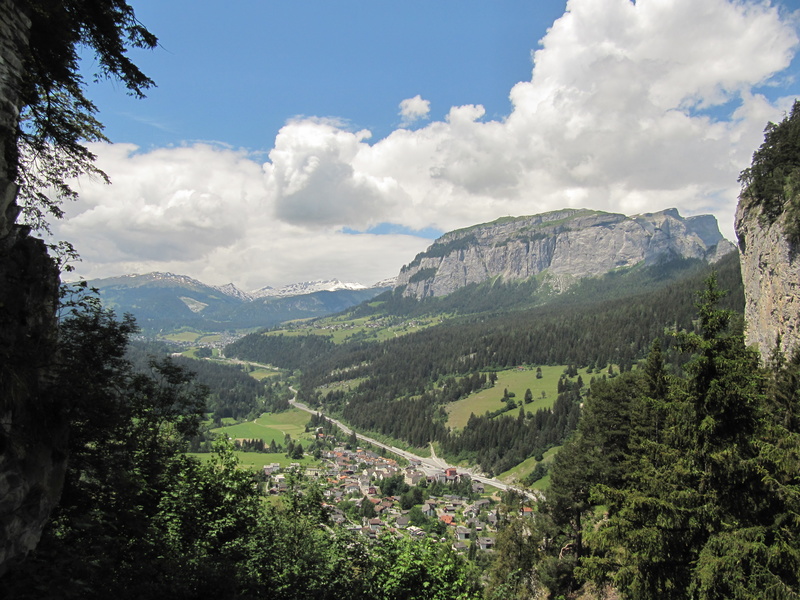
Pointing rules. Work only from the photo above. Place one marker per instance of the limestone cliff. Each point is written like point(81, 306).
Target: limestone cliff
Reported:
point(768, 228)
point(564, 246)
point(771, 278)
point(32, 434)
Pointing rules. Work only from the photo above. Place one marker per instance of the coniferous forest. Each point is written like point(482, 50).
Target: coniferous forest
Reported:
point(405, 382)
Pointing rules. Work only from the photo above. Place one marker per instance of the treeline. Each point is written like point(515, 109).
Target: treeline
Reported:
point(499, 307)
point(232, 393)
point(573, 330)
point(283, 351)
point(676, 484)
point(413, 420)
point(500, 444)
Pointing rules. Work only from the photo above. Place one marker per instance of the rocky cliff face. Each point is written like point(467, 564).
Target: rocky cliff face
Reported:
point(563, 245)
point(32, 434)
point(771, 278)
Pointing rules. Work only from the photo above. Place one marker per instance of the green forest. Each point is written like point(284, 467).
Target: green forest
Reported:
point(400, 386)
point(675, 483)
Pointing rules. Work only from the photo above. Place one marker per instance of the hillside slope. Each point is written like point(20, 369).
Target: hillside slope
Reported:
point(165, 301)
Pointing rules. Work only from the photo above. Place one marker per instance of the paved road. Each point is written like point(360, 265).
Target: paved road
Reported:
point(429, 464)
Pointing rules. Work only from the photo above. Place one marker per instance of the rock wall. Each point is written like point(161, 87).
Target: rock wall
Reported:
point(565, 245)
point(32, 430)
point(771, 277)
point(14, 27)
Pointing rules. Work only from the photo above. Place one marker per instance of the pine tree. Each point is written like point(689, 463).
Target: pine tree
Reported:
point(708, 508)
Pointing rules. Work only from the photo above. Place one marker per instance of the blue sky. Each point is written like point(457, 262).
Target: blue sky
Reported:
point(235, 72)
point(288, 141)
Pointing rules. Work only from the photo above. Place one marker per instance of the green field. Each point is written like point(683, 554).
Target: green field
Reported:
point(208, 338)
point(526, 466)
point(270, 426)
point(343, 328)
point(261, 374)
point(183, 336)
point(516, 381)
point(257, 460)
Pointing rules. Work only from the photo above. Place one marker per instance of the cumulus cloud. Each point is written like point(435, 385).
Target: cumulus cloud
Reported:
point(211, 213)
point(169, 204)
point(414, 109)
point(315, 181)
point(630, 107)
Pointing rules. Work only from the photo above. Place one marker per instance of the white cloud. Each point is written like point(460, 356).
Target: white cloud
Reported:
point(414, 109)
point(169, 204)
point(315, 181)
point(617, 116)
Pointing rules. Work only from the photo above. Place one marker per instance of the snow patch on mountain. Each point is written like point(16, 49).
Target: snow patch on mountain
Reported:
point(231, 290)
point(306, 287)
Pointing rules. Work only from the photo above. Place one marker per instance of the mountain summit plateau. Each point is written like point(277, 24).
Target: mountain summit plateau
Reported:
point(562, 246)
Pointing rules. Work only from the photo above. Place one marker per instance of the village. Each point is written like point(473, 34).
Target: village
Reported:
point(362, 493)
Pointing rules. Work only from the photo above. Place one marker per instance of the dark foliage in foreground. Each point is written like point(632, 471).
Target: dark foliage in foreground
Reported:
point(140, 519)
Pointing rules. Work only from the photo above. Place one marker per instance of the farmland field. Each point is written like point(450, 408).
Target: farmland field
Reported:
point(257, 460)
point(516, 381)
point(270, 426)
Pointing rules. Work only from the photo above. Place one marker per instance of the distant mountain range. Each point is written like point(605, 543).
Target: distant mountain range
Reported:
point(166, 301)
point(306, 287)
point(555, 249)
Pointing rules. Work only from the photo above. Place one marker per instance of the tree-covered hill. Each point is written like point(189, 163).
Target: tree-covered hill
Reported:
point(232, 392)
point(679, 485)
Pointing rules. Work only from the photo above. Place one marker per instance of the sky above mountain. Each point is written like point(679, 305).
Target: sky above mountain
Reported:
point(291, 141)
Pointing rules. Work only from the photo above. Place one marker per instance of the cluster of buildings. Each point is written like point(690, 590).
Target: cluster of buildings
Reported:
point(352, 477)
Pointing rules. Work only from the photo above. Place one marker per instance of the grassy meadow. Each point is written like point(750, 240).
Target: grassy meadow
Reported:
point(344, 328)
point(260, 373)
point(527, 466)
point(192, 337)
point(270, 426)
point(516, 380)
point(257, 460)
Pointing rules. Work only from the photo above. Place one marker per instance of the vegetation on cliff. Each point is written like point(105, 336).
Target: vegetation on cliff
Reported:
point(772, 182)
point(45, 124)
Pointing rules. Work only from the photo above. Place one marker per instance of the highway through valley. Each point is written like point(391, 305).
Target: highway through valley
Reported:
point(428, 464)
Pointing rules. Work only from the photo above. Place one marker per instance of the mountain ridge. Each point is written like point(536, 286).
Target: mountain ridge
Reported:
point(231, 289)
point(163, 301)
point(306, 287)
point(563, 246)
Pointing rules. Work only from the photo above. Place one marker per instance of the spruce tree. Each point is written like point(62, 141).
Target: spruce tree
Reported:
point(708, 508)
